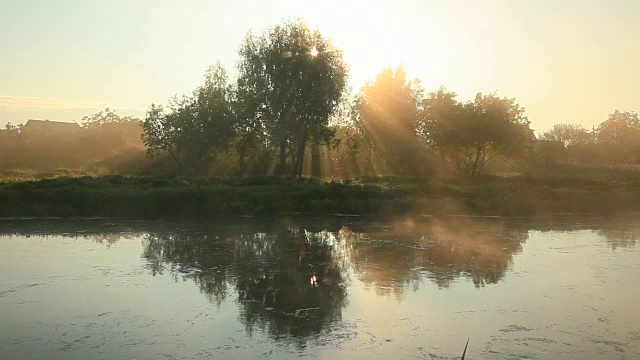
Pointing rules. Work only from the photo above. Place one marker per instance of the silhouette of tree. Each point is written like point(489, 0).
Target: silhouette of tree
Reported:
point(568, 142)
point(109, 134)
point(161, 133)
point(10, 144)
point(106, 117)
point(567, 134)
point(620, 137)
point(473, 133)
point(292, 79)
point(439, 121)
point(196, 127)
point(387, 112)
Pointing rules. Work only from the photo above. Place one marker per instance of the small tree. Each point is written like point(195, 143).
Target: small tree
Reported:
point(575, 142)
point(160, 134)
point(195, 127)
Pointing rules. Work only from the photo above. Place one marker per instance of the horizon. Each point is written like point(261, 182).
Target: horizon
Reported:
point(567, 62)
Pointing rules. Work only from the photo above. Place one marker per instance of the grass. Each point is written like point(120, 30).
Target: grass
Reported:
point(154, 197)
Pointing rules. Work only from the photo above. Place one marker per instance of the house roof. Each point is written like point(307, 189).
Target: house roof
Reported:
point(51, 126)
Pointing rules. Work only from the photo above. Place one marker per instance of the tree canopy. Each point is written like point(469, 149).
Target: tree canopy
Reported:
point(195, 127)
point(473, 133)
point(387, 111)
point(291, 79)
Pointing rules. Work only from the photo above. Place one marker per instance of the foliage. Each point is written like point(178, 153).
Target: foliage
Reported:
point(620, 136)
point(291, 79)
point(49, 145)
point(288, 113)
point(569, 135)
point(475, 132)
point(151, 197)
point(105, 118)
point(567, 143)
point(387, 113)
point(196, 127)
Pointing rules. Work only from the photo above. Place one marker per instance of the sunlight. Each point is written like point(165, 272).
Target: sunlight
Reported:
point(314, 52)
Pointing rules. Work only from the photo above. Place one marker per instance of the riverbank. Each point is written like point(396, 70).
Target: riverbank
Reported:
point(148, 197)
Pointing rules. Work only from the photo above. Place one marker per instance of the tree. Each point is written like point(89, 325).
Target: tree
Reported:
point(10, 144)
point(567, 141)
point(160, 133)
point(619, 136)
point(387, 112)
point(197, 126)
point(473, 133)
point(110, 134)
point(620, 128)
point(291, 79)
point(214, 116)
point(569, 135)
point(106, 117)
point(439, 119)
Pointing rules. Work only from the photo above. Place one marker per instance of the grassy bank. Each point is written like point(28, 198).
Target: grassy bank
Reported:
point(133, 197)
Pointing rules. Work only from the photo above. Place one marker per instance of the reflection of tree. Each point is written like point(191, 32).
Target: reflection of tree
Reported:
point(621, 237)
point(203, 258)
point(621, 231)
point(275, 283)
point(390, 258)
point(267, 268)
point(270, 270)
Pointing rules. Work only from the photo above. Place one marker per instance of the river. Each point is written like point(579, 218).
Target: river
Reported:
point(321, 288)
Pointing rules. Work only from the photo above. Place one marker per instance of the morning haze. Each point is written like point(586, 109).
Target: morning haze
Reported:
point(566, 62)
point(218, 179)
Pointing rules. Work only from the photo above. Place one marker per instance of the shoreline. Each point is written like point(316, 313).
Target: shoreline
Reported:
point(255, 197)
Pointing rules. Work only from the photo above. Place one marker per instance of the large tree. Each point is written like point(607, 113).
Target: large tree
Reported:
point(473, 133)
point(387, 111)
point(291, 79)
point(619, 137)
point(439, 121)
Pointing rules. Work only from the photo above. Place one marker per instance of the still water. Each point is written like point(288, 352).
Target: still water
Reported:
point(321, 288)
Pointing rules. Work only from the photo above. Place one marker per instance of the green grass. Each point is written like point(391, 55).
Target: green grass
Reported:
point(154, 197)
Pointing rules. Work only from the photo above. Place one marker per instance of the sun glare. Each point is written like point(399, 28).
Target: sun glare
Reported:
point(314, 52)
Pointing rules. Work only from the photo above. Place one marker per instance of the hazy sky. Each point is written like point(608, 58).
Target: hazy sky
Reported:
point(563, 60)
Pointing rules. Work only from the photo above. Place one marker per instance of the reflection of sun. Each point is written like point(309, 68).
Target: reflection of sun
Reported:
point(314, 52)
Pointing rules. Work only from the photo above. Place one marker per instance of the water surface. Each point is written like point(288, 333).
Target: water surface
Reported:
point(320, 288)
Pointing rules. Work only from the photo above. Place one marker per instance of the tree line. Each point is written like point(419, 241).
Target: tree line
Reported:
point(288, 111)
point(101, 140)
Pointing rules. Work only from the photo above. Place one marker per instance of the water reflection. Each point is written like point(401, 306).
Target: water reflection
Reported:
point(290, 278)
point(392, 258)
point(620, 232)
point(288, 281)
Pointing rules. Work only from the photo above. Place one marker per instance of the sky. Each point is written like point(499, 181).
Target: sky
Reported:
point(565, 61)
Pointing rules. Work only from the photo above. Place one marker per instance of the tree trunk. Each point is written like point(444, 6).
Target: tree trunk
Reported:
point(483, 160)
point(316, 170)
point(282, 160)
point(242, 153)
point(475, 163)
point(173, 156)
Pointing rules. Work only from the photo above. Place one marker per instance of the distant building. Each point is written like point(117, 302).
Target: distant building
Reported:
point(59, 128)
